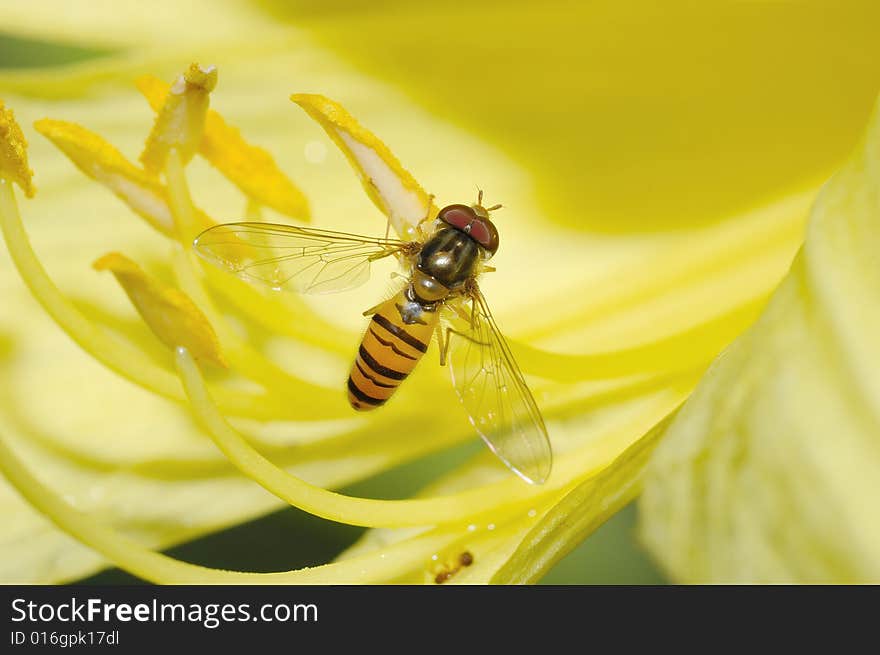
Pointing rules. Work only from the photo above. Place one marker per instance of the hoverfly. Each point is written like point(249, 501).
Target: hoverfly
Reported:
point(443, 265)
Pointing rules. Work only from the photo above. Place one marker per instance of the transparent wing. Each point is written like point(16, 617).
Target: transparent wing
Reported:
point(493, 391)
point(296, 258)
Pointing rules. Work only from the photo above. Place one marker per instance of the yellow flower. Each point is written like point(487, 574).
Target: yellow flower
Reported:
point(619, 323)
point(492, 511)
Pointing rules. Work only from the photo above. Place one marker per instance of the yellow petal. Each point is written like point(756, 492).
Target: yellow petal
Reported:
point(105, 164)
point(769, 474)
point(181, 120)
point(170, 313)
point(13, 153)
point(251, 168)
point(391, 187)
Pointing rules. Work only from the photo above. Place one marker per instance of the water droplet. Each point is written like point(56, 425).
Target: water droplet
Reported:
point(435, 557)
point(471, 527)
point(491, 526)
point(533, 513)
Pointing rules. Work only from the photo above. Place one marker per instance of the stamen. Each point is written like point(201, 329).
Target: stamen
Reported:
point(509, 493)
point(244, 358)
point(118, 355)
point(181, 121)
point(505, 497)
point(171, 314)
point(390, 186)
point(105, 164)
point(383, 564)
point(182, 209)
point(13, 153)
point(251, 168)
point(253, 211)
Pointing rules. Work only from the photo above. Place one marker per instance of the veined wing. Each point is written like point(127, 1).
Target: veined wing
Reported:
point(493, 391)
point(301, 259)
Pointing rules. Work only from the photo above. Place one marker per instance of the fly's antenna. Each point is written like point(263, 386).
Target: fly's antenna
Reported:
point(480, 202)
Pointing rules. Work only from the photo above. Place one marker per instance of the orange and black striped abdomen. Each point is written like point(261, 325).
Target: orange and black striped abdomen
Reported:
point(396, 338)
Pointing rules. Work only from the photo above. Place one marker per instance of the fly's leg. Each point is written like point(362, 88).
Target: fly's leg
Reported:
point(395, 275)
point(442, 342)
point(373, 310)
point(462, 314)
point(427, 216)
point(443, 335)
point(474, 308)
point(443, 339)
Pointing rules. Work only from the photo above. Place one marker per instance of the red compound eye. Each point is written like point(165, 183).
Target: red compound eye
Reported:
point(458, 216)
point(465, 219)
point(479, 232)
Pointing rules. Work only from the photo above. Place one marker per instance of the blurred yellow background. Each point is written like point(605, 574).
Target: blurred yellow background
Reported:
point(633, 115)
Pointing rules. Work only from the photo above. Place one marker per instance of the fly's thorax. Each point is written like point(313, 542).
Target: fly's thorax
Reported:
point(425, 288)
point(450, 257)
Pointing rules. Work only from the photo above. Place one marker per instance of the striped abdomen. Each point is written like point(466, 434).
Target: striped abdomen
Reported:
point(396, 338)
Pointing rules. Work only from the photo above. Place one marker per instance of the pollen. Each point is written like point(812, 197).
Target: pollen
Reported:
point(251, 168)
point(172, 316)
point(389, 185)
point(102, 162)
point(13, 153)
